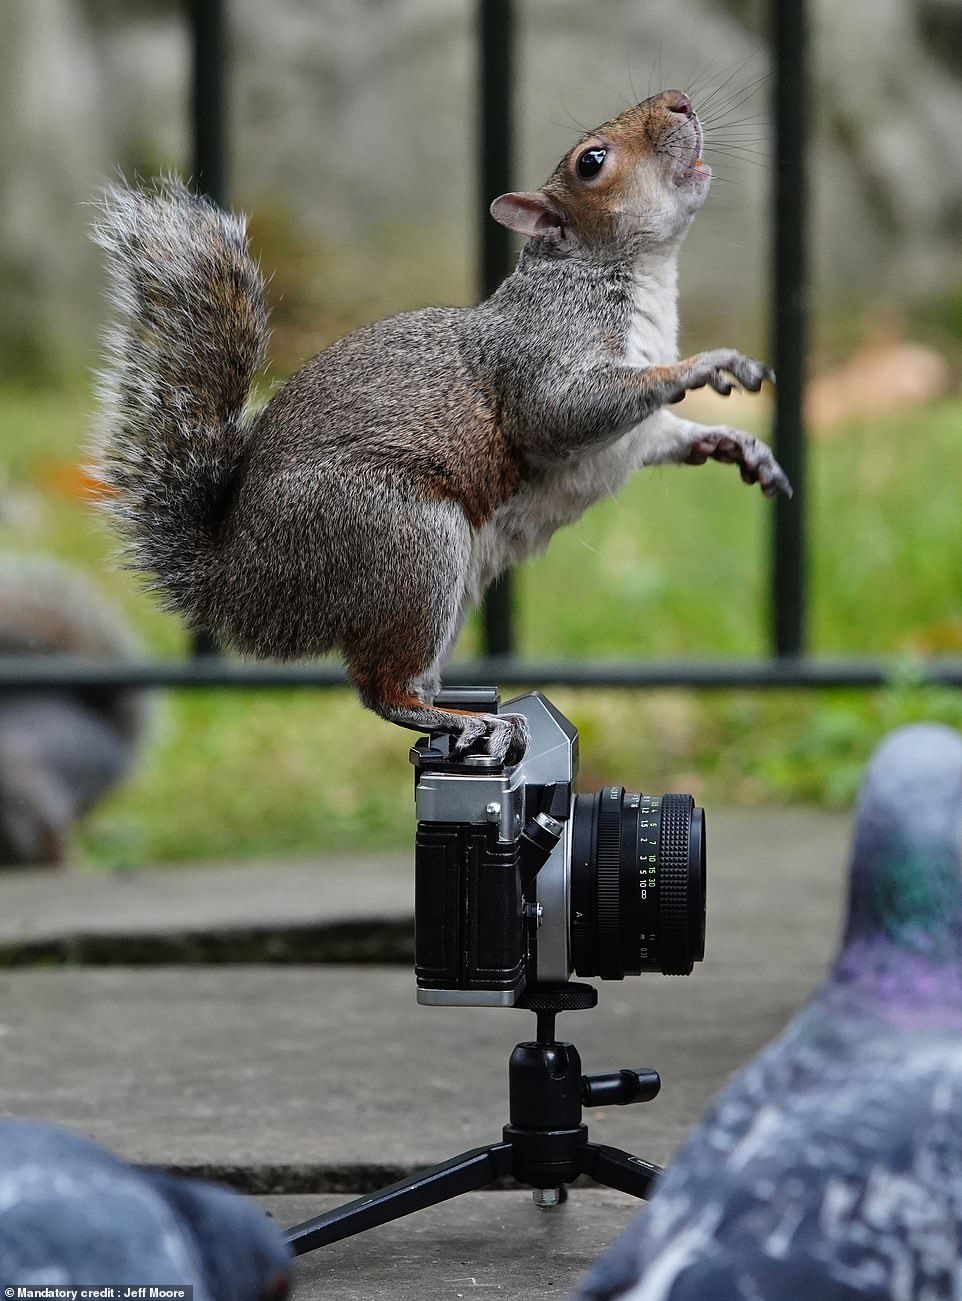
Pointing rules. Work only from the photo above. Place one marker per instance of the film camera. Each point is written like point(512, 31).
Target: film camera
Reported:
point(519, 881)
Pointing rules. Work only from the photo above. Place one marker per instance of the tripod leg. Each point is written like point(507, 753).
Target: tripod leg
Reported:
point(462, 1174)
point(616, 1169)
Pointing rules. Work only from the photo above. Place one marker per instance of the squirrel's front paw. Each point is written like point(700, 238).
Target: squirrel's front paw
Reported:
point(503, 736)
point(753, 458)
point(718, 368)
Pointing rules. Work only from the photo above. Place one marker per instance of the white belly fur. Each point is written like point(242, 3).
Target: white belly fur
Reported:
point(524, 525)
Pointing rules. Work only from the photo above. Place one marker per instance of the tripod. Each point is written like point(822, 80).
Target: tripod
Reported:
point(545, 1145)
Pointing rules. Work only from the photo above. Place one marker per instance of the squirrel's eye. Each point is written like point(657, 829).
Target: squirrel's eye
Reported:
point(589, 164)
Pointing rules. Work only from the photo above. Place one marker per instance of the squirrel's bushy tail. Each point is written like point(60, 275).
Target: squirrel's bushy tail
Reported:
point(188, 338)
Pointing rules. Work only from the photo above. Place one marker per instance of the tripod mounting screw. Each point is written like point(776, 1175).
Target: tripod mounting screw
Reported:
point(546, 1199)
point(620, 1088)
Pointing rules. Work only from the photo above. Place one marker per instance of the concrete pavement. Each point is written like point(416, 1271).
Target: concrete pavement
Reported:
point(483, 1245)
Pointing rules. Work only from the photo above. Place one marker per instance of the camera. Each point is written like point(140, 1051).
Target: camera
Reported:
point(520, 880)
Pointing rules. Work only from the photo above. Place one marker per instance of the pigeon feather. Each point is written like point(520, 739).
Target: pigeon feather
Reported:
point(72, 1213)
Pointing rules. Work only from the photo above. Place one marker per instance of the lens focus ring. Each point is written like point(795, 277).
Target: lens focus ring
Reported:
point(637, 884)
point(608, 883)
point(673, 885)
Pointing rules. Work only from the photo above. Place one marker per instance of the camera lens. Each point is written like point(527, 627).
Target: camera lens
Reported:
point(637, 884)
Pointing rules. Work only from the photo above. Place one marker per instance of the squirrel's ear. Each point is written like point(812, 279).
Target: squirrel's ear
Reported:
point(528, 214)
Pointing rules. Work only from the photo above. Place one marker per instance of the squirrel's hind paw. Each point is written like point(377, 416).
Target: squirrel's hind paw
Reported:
point(503, 736)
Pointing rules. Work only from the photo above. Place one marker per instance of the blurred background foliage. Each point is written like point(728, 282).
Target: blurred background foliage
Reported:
point(351, 139)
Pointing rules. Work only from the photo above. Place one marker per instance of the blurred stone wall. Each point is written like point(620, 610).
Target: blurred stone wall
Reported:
point(352, 126)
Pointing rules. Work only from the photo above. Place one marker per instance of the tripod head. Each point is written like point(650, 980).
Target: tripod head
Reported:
point(547, 1088)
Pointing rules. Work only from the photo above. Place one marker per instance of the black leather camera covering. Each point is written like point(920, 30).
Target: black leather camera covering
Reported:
point(468, 909)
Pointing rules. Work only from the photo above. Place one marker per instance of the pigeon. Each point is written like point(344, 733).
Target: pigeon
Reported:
point(60, 751)
point(831, 1166)
point(72, 1213)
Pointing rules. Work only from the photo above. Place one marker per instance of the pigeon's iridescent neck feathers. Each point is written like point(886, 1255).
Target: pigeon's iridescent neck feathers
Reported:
point(903, 938)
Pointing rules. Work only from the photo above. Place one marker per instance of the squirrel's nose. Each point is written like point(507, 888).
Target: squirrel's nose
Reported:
point(677, 101)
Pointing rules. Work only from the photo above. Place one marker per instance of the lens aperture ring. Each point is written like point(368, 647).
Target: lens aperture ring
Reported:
point(673, 907)
point(608, 884)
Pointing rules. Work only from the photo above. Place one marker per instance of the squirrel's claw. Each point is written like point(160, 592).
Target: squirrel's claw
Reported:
point(750, 374)
point(503, 736)
point(755, 460)
point(777, 483)
point(721, 370)
point(720, 384)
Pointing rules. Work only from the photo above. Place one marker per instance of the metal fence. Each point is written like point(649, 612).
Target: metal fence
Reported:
point(787, 665)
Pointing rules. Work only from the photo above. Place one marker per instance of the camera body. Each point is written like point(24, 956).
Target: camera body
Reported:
point(519, 880)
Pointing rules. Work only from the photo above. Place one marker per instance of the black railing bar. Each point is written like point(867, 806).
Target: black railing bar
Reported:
point(788, 575)
point(208, 103)
point(208, 118)
point(50, 672)
point(495, 154)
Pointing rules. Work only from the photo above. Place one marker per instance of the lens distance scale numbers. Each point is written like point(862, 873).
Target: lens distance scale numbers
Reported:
point(648, 808)
point(637, 884)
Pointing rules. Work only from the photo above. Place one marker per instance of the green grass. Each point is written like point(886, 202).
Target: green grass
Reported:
point(675, 566)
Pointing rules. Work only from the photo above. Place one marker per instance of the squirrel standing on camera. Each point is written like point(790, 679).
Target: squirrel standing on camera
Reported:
point(366, 508)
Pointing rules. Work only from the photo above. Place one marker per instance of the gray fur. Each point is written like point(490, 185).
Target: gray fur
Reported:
point(366, 507)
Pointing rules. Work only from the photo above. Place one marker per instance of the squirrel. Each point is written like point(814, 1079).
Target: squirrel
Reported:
point(368, 505)
point(60, 750)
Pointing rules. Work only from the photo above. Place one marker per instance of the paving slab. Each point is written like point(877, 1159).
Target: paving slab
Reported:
point(293, 1078)
point(305, 910)
point(480, 1245)
point(301, 911)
